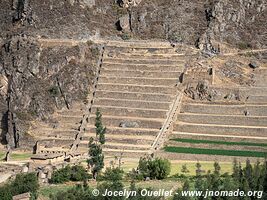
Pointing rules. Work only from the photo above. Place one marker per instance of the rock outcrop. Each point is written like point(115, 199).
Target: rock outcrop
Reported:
point(239, 23)
point(36, 80)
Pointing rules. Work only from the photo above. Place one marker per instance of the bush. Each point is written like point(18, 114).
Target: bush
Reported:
point(244, 45)
point(54, 91)
point(113, 174)
point(23, 183)
point(78, 173)
point(126, 36)
point(175, 38)
point(75, 173)
point(157, 168)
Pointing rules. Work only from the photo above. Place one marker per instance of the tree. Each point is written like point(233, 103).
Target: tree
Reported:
point(199, 182)
point(61, 176)
point(178, 195)
point(25, 183)
point(100, 129)
point(96, 158)
point(113, 182)
point(248, 172)
point(154, 168)
point(184, 169)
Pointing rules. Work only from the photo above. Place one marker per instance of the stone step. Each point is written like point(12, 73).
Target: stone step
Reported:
point(130, 112)
point(232, 109)
point(232, 138)
point(135, 88)
point(140, 61)
point(134, 67)
point(144, 55)
point(121, 139)
point(125, 153)
point(131, 122)
point(76, 112)
point(257, 100)
point(68, 125)
point(56, 142)
point(143, 74)
point(247, 91)
point(223, 119)
point(98, 102)
point(120, 136)
point(139, 80)
point(256, 91)
point(138, 44)
point(56, 133)
point(126, 131)
point(68, 119)
point(119, 146)
point(112, 50)
point(146, 96)
point(215, 146)
point(122, 146)
point(221, 129)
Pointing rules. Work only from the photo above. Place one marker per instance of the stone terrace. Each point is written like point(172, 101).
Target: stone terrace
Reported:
point(134, 92)
point(225, 121)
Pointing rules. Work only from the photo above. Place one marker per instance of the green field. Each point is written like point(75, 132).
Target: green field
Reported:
point(215, 152)
point(16, 156)
point(53, 189)
point(218, 142)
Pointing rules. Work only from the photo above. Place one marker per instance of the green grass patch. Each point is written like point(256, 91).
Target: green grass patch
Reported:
point(219, 142)
point(21, 156)
point(176, 167)
point(2, 155)
point(16, 156)
point(54, 189)
point(215, 152)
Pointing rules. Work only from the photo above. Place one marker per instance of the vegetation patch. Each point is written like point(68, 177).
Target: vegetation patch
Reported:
point(215, 152)
point(23, 183)
point(75, 173)
point(219, 142)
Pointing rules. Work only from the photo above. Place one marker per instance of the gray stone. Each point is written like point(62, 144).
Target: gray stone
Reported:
point(129, 124)
point(124, 23)
point(89, 3)
point(253, 65)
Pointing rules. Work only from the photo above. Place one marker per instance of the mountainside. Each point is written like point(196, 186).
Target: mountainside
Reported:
point(39, 78)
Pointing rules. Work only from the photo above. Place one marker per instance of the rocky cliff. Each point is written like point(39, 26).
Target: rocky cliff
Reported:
point(36, 80)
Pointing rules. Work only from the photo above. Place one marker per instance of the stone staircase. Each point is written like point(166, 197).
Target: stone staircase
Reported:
point(135, 90)
point(225, 121)
point(63, 137)
point(59, 137)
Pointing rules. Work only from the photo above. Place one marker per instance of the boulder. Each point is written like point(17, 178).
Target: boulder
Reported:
point(124, 23)
point(89, 3)
point(129, 3)
point(253, 65)
point(129, 124)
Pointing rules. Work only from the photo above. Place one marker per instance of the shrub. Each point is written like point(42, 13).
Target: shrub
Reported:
point(23, 183)
point(54, 91)
point(244, 45)
point(75, 173)
point(126, 36)
point(78, 173)
point(61, 175)
point(175, 38)
point(113, 174)
point(157, 168)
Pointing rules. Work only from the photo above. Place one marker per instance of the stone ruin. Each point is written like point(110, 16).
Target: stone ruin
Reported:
point(129, 3)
